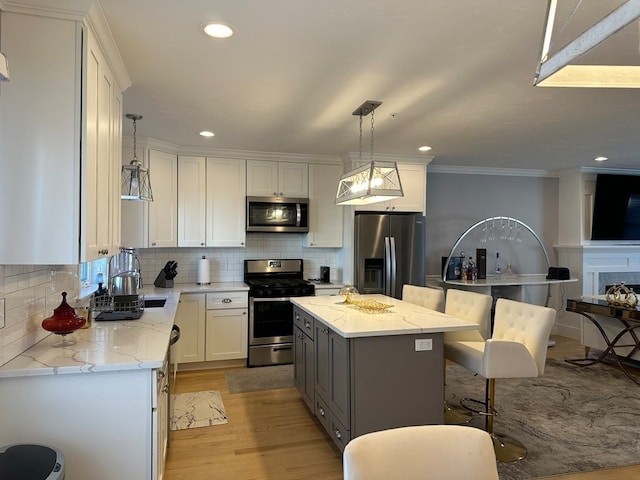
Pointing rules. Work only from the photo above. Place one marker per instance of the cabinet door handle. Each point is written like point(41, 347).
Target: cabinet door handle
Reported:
point(307, 324)
point(338, 434)
point(104, 251)
point(201, 244)
point(160, 374)
point(325, 330)
point(153, 244)
point(166, 389)
point(226, 300)
point(321, 412)
point(297, 317)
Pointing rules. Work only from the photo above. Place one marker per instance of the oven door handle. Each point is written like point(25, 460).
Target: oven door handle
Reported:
point(278, 299)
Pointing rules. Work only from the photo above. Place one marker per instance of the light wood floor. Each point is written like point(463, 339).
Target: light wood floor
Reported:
point(271, 435)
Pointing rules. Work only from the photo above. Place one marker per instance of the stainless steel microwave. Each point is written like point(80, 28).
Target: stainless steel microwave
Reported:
point(277, 214)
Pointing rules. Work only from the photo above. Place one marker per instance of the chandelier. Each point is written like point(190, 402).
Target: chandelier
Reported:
point(371, 182)
point(136, 184)
point(559, 70)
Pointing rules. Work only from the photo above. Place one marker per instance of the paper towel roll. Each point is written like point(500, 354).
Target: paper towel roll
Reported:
point(204, 271)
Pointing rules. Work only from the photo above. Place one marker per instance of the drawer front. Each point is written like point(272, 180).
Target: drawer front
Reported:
point(323, 413)
point(339, 433)
point(216, 300)
point(303, 321)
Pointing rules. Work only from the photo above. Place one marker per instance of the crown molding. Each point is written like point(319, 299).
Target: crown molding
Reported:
point(506, 172)
point(155, 144)
point(64, 9)
point(97, 20)
point(351, 157)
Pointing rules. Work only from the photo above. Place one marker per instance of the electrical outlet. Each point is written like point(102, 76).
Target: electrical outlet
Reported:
point(224, 264)
point(2, 313)
point(423, 344)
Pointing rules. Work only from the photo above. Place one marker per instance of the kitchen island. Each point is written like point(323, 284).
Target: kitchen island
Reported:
point(360, 372)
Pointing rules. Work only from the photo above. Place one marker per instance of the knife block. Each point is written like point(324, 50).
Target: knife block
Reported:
point(162, 282)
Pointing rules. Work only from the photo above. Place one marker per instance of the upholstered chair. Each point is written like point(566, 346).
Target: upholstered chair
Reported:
point(427, 297)
point(517, 349)
point(475, 308)
point(451, 452)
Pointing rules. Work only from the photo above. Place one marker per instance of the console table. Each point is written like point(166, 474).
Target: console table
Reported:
point(629, 320)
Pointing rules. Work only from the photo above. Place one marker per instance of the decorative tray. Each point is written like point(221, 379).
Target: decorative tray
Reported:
point(368, 305)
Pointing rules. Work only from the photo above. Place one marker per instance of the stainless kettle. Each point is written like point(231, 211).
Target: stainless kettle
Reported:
point(124, 273)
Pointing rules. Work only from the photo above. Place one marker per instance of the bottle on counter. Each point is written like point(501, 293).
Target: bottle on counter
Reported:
point(472, 270)
point(497, 269)
point(462, 274)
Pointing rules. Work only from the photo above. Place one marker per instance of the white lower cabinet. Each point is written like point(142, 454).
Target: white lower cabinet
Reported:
point(105, 422)
point(227, 326)
point(213, 326)
point(190, 317)
point(327, 291)
point(160, 421)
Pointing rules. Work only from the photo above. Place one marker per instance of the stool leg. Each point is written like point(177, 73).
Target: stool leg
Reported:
point(507, 448)
point(454, 414)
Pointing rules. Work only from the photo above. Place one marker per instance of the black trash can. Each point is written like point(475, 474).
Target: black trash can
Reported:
point(31, 462)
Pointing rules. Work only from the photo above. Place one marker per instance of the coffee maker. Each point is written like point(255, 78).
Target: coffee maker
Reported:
point(325, 275)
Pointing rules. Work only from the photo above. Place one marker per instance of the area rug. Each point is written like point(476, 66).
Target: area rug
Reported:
point(259, 378)
point(572, 419)
point(197, 409)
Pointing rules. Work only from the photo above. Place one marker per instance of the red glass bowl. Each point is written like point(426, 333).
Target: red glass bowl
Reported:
point(64, 319)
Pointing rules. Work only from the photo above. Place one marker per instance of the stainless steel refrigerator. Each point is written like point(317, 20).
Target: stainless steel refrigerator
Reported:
point(389, 252)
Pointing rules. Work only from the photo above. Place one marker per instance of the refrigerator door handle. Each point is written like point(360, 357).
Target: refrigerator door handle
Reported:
point(394, 268)
point(387, 266)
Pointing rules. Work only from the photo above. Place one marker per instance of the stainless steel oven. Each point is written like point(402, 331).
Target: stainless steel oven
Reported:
point(271, 284)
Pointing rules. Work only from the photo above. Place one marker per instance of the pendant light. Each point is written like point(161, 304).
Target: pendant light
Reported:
point(136, 184)
point(560, 68)
point(371, 182)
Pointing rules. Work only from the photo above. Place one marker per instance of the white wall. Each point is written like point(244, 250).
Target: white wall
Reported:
point(455, 202)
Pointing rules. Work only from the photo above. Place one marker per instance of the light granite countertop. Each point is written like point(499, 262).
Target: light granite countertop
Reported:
point(403, 318)
point(112, 345)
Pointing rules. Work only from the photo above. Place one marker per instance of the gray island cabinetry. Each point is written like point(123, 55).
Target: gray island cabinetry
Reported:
point(361, 372)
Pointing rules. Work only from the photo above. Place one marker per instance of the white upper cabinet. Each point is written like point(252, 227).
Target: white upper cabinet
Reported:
point(101, 205)
point(163, 211)
point(226, 212)
point(192, 204)
point(277, 179)
point(325, 218)
point(413, 177)
point(60, 142)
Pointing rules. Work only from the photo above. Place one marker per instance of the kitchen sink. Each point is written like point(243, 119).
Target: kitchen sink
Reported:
point(154, 302)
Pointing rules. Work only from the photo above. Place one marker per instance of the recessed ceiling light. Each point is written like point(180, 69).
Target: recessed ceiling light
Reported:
point(601, 159)
point(424, 148)
point(217, 29)
point(207, 133)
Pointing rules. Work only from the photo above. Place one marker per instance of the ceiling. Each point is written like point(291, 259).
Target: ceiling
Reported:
point(455, 75)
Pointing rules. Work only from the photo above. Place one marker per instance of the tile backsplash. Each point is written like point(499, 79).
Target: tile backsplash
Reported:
point(30, 294)
point(227, 264)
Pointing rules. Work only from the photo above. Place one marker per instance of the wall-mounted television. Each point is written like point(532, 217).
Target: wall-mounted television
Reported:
point(616, 208)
